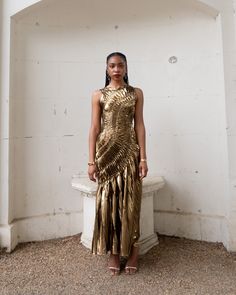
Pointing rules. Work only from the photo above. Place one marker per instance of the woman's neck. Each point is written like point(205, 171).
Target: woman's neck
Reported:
point(116, 84)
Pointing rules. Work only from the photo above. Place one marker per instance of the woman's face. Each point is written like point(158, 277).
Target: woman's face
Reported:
point(116, 68)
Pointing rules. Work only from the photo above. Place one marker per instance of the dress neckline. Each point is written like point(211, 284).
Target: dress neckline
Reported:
point(118, 88)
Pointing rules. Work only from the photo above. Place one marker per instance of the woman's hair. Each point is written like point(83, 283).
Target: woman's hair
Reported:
point(126, 79)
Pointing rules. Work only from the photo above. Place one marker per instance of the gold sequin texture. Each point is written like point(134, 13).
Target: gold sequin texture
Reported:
point(118, 197)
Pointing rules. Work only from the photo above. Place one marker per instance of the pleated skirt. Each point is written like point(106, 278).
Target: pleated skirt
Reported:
point(117, 216)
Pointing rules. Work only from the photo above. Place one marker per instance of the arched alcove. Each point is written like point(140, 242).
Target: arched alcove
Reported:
point(174, 51)
point(25, 6)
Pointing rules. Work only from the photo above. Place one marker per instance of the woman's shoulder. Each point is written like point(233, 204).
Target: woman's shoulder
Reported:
point(96, 95)
point(138, 91)
point(97, 92)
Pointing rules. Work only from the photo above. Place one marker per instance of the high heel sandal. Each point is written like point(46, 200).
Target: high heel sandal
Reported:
point(114, 267)
point(127, 268)
point(133, 268)
point(114, 270)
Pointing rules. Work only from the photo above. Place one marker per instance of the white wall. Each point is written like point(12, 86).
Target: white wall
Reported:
point(57, 60)
point(1, 73)
point(229, 29)
point(189, 141)
point(4, 115)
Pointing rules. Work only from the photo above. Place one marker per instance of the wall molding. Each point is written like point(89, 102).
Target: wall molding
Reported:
point(203, 227)
point(41, 227)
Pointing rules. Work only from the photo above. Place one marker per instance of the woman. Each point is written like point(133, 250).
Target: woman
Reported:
point(117, 158)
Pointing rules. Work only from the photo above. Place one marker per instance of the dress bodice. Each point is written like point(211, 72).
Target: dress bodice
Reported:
point(117, 141)
point(118, 107)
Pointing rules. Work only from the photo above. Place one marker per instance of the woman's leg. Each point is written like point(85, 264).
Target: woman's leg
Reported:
point(132, 263)
point(114, 264)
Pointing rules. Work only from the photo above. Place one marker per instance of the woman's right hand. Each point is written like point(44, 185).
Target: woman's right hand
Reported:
point(92, 172)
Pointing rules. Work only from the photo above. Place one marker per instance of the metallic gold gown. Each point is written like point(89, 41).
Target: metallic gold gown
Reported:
point(118, 198)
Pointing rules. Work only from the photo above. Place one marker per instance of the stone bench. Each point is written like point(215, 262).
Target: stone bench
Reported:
point(87, 188)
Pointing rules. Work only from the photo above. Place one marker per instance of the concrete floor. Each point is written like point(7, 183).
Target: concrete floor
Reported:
point(64, 266)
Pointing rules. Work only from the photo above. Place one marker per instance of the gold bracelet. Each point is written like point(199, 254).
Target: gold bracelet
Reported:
point(91, 163)
point(143, 160)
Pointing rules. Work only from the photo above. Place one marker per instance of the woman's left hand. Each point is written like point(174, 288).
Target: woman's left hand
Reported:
point(143, 169)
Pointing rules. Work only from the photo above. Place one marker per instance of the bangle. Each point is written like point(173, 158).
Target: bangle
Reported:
point(143, 160)
point(91, 163)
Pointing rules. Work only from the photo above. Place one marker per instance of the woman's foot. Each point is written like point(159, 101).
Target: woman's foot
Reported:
point(114, 264)
point(132, 263)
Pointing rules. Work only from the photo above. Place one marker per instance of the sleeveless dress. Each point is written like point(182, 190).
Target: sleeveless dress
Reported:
point(118, 197)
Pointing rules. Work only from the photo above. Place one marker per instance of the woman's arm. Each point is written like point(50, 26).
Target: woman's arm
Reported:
point(140, 132)
point(94, 131)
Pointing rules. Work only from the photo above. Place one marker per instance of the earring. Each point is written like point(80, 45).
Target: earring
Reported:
point(126, 76)
point(108, 77)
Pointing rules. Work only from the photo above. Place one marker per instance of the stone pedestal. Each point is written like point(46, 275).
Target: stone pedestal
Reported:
point(87, 188)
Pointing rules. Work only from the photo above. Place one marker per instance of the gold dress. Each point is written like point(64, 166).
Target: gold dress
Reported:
point(118, 198)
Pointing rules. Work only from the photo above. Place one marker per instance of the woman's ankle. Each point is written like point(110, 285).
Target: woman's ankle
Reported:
point(134, 251)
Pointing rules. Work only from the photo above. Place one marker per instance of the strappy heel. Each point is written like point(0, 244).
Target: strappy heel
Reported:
point(127, 268)
point(114, 270)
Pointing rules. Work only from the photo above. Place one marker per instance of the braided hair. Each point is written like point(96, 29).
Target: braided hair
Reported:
point(126, 79)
